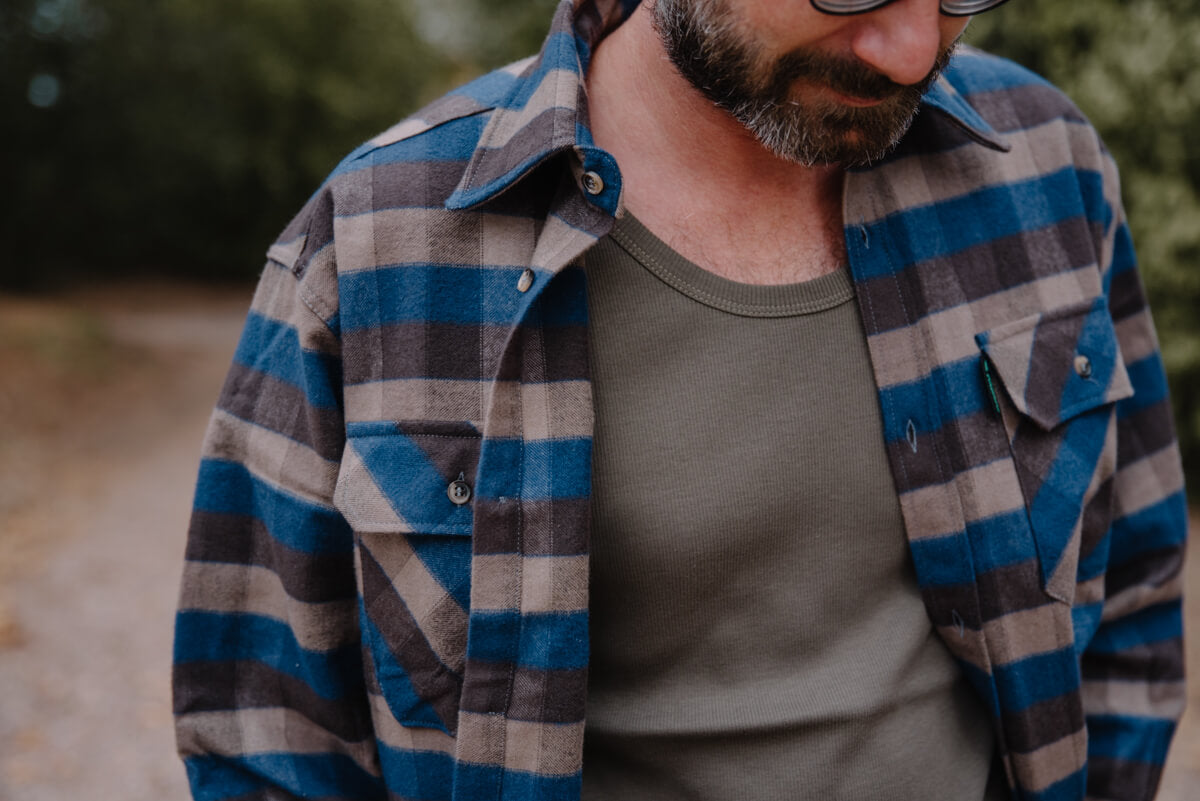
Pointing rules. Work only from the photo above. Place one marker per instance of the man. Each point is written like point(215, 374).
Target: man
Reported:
point(725, 367)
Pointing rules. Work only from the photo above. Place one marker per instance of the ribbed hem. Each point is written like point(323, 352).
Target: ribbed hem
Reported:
point(734, 297)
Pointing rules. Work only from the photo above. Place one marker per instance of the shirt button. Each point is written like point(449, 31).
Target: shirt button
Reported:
point(1083, 366)
point(525, 281)
point(459, 492)
point(593, 184)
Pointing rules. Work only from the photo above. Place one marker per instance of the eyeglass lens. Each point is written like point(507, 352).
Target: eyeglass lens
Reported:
point(954, 8)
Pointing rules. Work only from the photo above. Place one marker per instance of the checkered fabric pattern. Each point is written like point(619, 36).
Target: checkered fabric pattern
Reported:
point(348, 631)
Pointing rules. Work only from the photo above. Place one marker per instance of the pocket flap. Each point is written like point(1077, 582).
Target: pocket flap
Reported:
point(1058, 364)
point(394, 476)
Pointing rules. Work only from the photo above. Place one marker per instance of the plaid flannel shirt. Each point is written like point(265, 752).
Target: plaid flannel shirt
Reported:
point(348, 631)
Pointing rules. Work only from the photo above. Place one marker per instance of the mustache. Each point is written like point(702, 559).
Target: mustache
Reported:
point(847, 76)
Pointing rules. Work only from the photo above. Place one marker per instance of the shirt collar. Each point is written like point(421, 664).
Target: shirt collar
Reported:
point(545, 113)
point(944, 97)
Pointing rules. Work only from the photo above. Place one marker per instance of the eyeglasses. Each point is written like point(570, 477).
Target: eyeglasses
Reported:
point(951, 8)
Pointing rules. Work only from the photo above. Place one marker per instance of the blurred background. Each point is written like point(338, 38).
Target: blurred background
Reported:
point(151, 152)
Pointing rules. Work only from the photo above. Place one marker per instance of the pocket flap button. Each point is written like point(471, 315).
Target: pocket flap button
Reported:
point(1083, 366)
point(459, 491)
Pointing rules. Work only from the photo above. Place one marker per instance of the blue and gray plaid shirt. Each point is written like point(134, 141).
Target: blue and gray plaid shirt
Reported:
point(356, 624)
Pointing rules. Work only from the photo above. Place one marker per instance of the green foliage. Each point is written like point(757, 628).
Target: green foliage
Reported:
point(484, 34)
point(1131, 66)
point(178, 137)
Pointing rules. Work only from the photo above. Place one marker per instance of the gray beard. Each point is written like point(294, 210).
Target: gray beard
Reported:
point(730, 70)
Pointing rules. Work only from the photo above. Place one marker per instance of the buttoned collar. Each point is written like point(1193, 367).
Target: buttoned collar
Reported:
point(545, 113)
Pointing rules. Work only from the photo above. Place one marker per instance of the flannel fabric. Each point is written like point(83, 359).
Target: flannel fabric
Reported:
point(347, 631)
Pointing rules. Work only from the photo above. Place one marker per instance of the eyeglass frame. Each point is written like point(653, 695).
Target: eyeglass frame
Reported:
point(883, 3)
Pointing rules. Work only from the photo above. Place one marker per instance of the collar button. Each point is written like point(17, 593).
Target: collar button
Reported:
point(593, 184)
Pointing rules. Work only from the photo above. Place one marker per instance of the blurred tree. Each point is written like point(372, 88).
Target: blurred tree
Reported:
point(176, 138)
point(483, 34)
point(1131, 65)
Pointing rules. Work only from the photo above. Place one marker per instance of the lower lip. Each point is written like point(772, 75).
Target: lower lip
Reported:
point(857, 102)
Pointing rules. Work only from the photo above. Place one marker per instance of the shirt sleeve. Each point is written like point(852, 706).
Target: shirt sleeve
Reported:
point(1133, 680)
point(268, 680)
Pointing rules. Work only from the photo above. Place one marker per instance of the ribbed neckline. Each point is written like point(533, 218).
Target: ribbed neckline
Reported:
point(734, 297)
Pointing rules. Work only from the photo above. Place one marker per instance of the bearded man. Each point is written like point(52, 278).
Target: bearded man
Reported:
point(774, 377)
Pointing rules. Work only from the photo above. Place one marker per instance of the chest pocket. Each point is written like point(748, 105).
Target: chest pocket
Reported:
point(1055, 378)
point(413, 532)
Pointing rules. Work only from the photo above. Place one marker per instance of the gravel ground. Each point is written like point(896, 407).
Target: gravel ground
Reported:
point(98, 467)
point(93, 545)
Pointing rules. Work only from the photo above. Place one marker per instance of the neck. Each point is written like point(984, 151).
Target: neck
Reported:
point(684, 159)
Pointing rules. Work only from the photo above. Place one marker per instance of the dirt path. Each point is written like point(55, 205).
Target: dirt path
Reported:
point(92, 554)
point(99, 440)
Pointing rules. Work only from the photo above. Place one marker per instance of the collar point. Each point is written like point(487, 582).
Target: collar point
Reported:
point(466, 196)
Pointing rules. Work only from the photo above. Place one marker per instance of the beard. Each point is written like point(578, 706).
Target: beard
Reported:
point(731, 70)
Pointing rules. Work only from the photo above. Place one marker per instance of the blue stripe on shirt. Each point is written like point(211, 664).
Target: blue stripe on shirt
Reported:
point(416, 775)
point(549, 469)
point(1135, 739)
point(273, 348)
point(431, 293)
point(1056, 507)
point(962, 396)
point(943, 561)
point(333, 776)
point(1152, 624)
point(405, 704)
point(972, 74)
point(238, 637)
point(452, 141)
point(1147, 375)
point(411, 483)
point(478, 781)
point(1001, 540)
point(1160, 526)
point(546, 640)
point(943, 229)
point(1037, 678)
point(230, 488)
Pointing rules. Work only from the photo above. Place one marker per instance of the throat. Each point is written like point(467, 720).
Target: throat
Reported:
point(751, 240)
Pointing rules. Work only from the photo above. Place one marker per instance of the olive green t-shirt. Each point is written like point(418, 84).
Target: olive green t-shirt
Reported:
point(757, 631)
